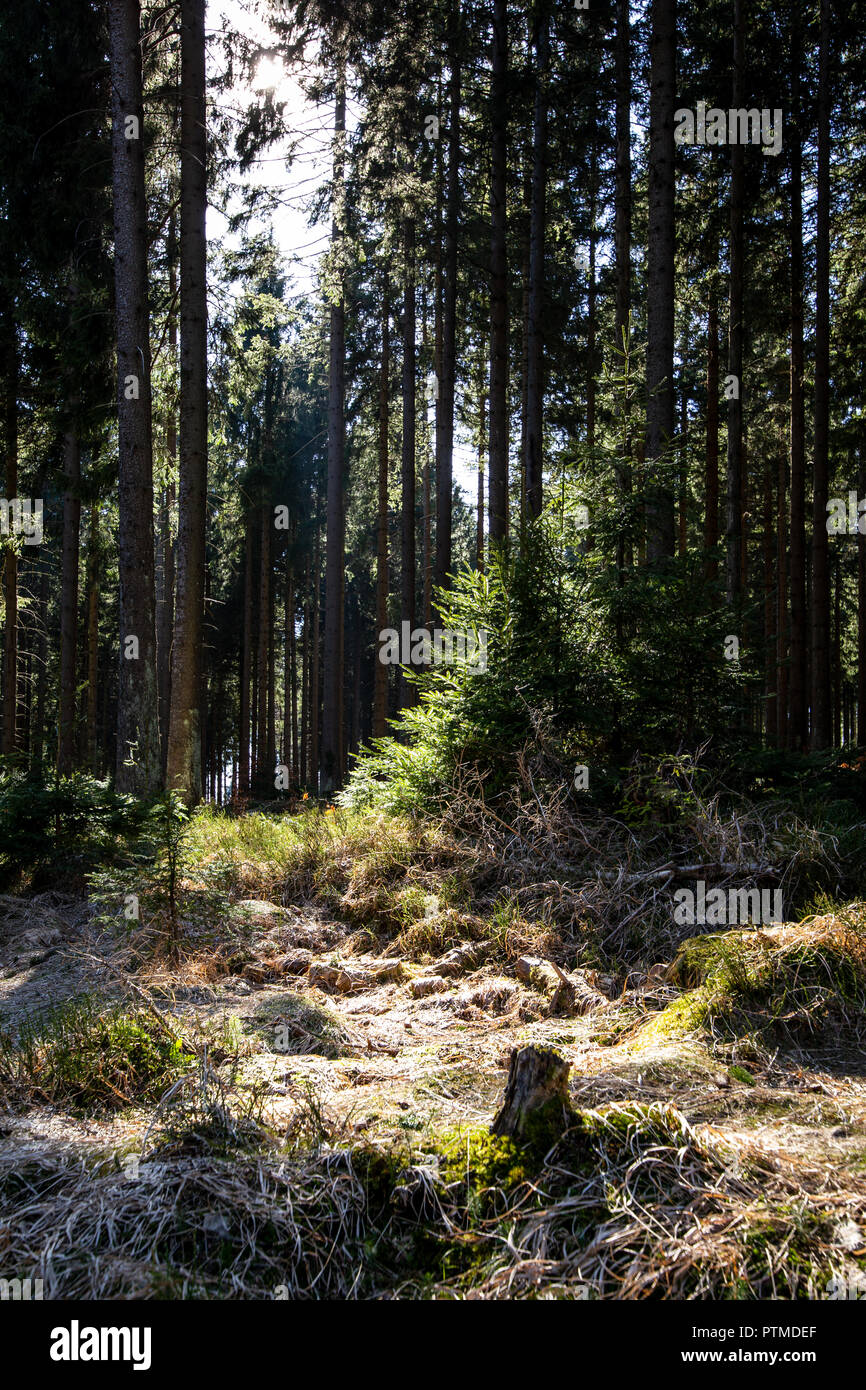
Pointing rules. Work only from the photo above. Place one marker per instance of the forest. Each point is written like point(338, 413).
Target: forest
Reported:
point(433, 663)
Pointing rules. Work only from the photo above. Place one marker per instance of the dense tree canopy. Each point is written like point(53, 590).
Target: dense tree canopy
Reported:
point(573, 376)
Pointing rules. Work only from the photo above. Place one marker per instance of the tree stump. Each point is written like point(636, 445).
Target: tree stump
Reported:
point(537, 1077)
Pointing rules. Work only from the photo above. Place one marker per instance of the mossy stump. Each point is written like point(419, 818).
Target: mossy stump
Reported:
point(536, 1090)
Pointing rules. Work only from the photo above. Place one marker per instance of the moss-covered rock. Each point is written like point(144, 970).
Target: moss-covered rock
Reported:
point(786, 983)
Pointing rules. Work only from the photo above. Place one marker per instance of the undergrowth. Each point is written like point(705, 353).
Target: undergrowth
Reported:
point(89, 1056)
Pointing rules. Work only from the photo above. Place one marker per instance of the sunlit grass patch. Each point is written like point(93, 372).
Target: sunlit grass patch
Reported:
point(787, 983)
point(89, 1056)
point(289, 1023)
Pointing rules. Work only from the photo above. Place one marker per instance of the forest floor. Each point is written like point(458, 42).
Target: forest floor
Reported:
point(321, 1127)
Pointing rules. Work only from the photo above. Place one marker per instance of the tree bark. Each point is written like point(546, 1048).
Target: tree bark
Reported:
point(271, 740)
point(591, 302)
point(683, 490)
point(69, 599)
point(246, 662)
point(782, 667)
point(92, 587)
point(821, 711)
point(10, 564)
point(165, 616)
point(263, 782)
point(314, 667)
point(183, 765)
point(482, 451)
point(711, 473)
point(771, 701)
point(305, 679)
point(138, 748)
point(289, 681)
point(797, 692)
point(861, 610)
point(37, 751)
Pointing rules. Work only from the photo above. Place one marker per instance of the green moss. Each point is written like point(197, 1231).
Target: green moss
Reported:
point(482, 1160)
point(747, 982)
point(682, 1016)
point(90, 1055)
point(740, 1074)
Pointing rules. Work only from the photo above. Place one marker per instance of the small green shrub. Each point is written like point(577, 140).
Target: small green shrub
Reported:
point(89, 1056)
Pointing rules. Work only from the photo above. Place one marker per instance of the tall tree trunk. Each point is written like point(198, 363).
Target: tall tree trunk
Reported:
point(380, 677)
point(314, 667)
point(837, 651)
point(246, 662)
point(92, 586)
point(591, 300)
point(10, 564)
point(622, 204)
point(293, 677)
point(305, 679)
point(271, 740)
point(682, 530)
point(734, 516)
point(534, 458)
point(165, 623)
point(660, 282)
point(482, 451)
point(797, 693)
point(861, 610)
point(525, 266)
point(407, 561)
point(498, 396)
point(263, 783)
point(165, 614)
point(289, 712)
point(622, 240)
point(445, 412)
point(711, 472)
point(37, 747)
point(744, 511)
point(183, 766)
point(69, 599)
point(782, 667)
point(138, 749)
point(305, 666)
point(771, 702)
point(821, 712)
point(332, 719)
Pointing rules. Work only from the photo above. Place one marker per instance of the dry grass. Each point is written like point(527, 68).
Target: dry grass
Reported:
point(350, 1160)
point(630, 1202)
